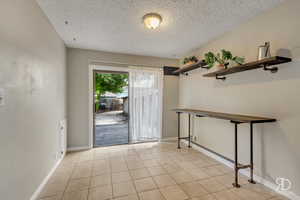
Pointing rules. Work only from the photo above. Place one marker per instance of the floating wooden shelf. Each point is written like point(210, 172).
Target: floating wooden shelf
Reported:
point(265, 63)
point(185, 69)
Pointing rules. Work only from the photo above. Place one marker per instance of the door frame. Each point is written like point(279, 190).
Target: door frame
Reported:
point(91, 106)
point(94, 113)
point(119, 68)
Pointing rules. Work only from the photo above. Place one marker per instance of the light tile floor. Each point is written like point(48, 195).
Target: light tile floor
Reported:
point(148, 171)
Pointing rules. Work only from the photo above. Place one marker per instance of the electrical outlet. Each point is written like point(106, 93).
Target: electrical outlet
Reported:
point(2, 95)
point(195, 138)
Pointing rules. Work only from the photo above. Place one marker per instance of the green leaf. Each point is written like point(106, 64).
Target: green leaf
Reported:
point(188, 59)
point(238, 60)
point(110, 83)
point(226, 55)
point(223, 58)
point(210, 59)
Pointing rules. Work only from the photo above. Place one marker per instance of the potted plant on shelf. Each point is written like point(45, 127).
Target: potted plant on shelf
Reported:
point(190, 60)
point(222, 59)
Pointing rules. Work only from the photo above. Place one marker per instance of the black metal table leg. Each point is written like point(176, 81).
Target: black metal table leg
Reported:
point(178, 130)
point(236, 169)
point(189, 131)
point(251, 154)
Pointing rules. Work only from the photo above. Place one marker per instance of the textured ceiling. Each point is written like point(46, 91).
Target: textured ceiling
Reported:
point(116, 25)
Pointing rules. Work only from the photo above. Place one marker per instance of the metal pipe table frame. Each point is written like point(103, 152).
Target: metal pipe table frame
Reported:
point(236, 120)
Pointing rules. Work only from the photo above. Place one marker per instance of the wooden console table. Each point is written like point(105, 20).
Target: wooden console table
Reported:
point(233, 118)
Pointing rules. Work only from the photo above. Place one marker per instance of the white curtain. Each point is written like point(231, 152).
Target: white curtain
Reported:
point(145, 104)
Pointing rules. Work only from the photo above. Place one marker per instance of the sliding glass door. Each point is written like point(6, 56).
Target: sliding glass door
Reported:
point(127, 105)
point(145, 104)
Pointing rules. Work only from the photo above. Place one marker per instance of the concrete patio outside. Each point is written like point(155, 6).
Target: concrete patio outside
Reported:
point(111, 128)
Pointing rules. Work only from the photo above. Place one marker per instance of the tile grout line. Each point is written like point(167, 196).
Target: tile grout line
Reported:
point(177, 158)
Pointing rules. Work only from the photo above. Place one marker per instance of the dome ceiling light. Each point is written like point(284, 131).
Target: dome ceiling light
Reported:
point(152, 20)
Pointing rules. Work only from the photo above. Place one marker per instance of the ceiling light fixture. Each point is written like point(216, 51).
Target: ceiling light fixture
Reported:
point(152, 20)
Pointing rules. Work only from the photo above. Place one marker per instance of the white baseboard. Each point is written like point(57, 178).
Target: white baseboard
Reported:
point(46, 179)
point(69, 149)
point(269, 184)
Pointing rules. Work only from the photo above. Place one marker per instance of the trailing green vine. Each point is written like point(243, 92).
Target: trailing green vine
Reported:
point(223, 58)
point(190, 59)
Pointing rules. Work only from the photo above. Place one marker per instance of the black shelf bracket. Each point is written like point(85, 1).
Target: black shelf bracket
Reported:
point(271, 69)
point(223, 78)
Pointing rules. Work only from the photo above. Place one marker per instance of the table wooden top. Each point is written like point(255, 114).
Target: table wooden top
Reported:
point(226, 116)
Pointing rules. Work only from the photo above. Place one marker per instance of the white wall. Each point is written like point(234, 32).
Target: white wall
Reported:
point(254, 92)
point(170, 101)
point(78, 61)
point(32, 72)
